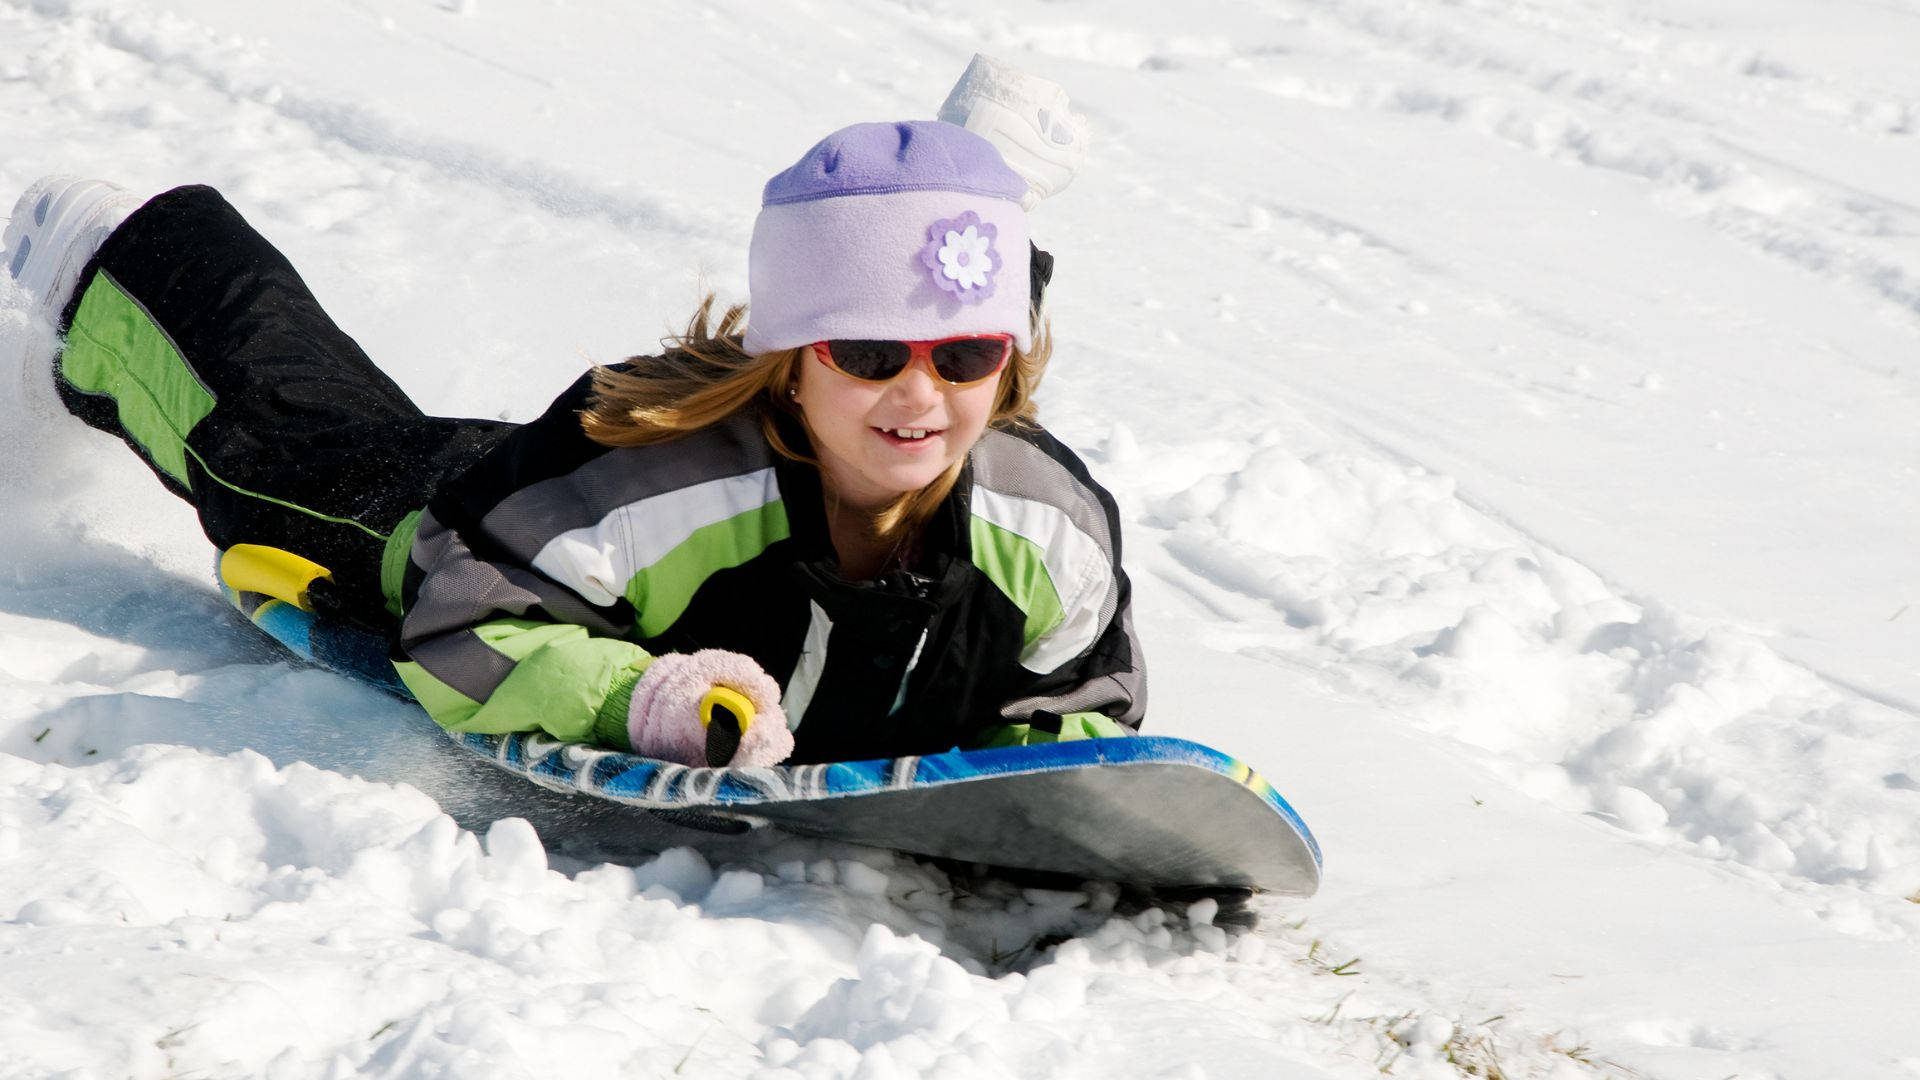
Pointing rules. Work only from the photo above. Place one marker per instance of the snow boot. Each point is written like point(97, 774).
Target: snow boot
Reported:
point(1026, 117)
point(56, 227)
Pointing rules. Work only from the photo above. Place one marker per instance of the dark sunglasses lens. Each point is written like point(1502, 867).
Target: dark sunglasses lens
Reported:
point(970, 359)
point(869, 359)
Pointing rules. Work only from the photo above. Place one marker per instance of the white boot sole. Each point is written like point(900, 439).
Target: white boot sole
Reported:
point(1027, 118)
point(56, 227)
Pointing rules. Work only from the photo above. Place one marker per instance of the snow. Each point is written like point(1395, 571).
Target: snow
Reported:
point(1511, 404)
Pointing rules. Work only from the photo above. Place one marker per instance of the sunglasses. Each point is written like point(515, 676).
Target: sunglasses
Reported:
point(962, 360)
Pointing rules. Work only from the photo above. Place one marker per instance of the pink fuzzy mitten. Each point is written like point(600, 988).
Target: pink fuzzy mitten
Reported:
point(664, 721)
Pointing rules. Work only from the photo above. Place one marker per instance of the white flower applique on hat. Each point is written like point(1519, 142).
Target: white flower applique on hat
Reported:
point(960, 255)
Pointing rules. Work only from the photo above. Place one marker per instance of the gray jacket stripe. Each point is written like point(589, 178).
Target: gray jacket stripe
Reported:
point(1008, 465)
point(1079, 568)
point(560, 603)
point(528, 520)
point(459, 592)
point(1013, 466)
point(464, 662)
point(1121, 695)
point(599, 560)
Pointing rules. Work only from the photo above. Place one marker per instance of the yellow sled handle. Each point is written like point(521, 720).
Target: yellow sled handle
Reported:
point(269, 571)
point(733, 701)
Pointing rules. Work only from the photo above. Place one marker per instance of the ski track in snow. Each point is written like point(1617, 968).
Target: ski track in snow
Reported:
point(1599, 121)
point(1308, 535)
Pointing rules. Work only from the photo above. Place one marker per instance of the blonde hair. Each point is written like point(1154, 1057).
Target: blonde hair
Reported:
point(704, 376)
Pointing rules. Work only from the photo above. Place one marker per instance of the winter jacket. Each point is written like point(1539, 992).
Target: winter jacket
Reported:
point(536, 585)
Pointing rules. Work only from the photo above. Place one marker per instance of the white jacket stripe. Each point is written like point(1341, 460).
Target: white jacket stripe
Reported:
point(1078, 566)
point(598, 560)
point(806, 673)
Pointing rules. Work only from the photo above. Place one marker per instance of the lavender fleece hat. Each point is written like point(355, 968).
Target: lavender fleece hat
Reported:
point(909, 230)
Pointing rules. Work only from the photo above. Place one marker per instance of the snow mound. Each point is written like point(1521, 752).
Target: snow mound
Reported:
point(1674, 728)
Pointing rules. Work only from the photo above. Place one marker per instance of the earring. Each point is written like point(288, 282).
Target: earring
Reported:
point(793, 392)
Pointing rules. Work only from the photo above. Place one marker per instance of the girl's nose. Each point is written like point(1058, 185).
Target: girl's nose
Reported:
point(918, 384)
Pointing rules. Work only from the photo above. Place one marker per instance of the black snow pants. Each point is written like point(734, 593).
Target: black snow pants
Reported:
point(193, 339)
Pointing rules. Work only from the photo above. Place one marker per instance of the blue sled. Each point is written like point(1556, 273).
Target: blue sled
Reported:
point(1149, 811)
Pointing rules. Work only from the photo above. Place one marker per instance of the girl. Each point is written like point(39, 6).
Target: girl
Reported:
point(839, 507)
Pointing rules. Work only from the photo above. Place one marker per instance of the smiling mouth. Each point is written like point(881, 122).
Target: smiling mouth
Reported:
point(909, 436)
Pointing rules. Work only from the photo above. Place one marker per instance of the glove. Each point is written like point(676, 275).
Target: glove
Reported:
point(710, 707)
point(1026, 118)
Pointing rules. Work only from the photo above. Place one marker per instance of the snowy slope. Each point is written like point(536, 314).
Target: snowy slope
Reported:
point(1511, 402)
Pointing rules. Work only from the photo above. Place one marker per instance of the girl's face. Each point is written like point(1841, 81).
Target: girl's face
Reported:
point(856, 426)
